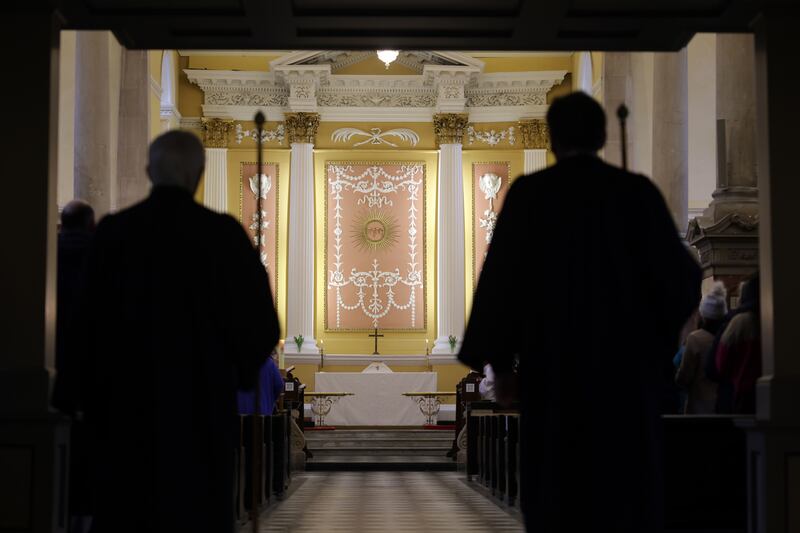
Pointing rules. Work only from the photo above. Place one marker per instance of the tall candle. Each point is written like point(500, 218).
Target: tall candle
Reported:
point(281, 358)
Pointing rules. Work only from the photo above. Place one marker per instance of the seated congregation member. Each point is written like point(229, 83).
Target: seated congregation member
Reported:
point(738, 356)
point(585, 466)
point(179, 315)
point(691, 374)
point(486, 386)
point(270, 387)
point(74, 242)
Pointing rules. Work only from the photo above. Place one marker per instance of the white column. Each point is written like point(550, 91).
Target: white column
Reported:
point(300, 270)
point(450, 250)
point(215, 183)
point(535, 160)
point(670, 133)
point(66, 118)
point(215, 189)
point(98, 62)
point(134, 129)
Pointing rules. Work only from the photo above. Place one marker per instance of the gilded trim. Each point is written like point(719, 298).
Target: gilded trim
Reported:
point(472, 216)
point(424, 328)
point(277, 215)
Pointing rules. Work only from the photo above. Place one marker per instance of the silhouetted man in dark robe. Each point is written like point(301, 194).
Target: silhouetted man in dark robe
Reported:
point(74, 241)
point(593, 310)
point(181, 314)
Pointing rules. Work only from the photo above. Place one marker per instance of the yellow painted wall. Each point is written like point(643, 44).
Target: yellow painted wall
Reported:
point(597, 66)
point(522, 64)
point(358, 342)
point(190, 96)
point(231, 62)
point(374, 66)
point(154, 68)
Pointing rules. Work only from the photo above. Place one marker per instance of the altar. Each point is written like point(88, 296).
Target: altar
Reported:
point(377, 397)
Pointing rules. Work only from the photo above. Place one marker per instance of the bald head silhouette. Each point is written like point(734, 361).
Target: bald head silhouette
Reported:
point(176, 159)
point(577, 125)
point(77, 215)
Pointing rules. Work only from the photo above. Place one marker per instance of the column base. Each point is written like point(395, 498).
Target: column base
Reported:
point(773, 466)
point(34, 453)
point(309, 347)
point(442, 346)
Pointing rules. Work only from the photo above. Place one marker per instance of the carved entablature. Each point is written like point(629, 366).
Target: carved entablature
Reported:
point(535, 134)
point(302, 127)
point(215, 132)
point(449, 128)
point(447, 82)
point(728, 247)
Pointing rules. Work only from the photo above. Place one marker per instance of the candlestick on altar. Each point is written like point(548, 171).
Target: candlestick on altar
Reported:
point(281, 357)
point(426, 348)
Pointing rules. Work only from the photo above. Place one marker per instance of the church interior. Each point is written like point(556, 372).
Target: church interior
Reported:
point(392, 135)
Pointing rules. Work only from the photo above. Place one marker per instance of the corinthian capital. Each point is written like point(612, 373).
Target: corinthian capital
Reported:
point(535, 134)
point(302, 127)
point(215, 132)
point(449, 128)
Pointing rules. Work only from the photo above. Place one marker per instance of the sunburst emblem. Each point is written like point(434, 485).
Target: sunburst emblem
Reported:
point(374, 230)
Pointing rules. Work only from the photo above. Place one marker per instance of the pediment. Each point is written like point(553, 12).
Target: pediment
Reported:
point(337, 60)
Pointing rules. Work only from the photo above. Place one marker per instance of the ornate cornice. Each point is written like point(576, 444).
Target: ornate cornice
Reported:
point(535, 134)
point(302, 127)
point(215, 132)
point(449, 128)
point(439, 88)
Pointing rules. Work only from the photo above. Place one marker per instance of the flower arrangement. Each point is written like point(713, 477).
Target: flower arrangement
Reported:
point(298, 340)
point(452, 340)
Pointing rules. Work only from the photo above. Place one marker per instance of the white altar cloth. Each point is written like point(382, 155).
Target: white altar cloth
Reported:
point(378, 397)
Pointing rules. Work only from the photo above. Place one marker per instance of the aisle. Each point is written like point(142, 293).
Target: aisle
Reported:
point(378, 502)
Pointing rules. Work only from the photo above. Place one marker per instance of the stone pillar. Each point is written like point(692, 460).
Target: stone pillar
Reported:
point(134, 129)
point(535, 140)
point(616, 91)
point(774, 441)
point(737, 179)
point(33, 440)
point(98, 59)
point(215, 181)
point(450, 306)
point(66, 119)
point(670, 132)
point(726, 235)
point(301, 129)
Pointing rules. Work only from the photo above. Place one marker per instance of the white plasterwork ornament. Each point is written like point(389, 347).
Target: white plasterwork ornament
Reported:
point(490, 184)
point(266, 185)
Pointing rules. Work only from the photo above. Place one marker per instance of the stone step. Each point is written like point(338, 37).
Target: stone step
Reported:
point(359, 451)
point(383, 443)
point(377, 434)
point(381, 462)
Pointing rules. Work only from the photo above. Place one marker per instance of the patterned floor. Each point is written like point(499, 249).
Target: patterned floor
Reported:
point(385, 502)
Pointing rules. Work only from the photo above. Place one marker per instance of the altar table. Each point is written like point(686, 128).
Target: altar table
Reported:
point(377, 397)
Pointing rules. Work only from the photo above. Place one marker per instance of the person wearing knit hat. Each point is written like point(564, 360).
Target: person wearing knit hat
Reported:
point(691, 374)
point(714, 306)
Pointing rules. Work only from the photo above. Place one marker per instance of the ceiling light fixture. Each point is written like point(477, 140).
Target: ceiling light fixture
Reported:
point(387, 56)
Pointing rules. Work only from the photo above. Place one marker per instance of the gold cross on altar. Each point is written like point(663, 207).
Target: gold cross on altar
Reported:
point(376, 341)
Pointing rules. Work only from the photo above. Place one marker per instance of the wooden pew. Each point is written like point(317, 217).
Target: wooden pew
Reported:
point(493, 448)
point(466, 391)
point(294, 402)
point(281, 452)
point(705, 465)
